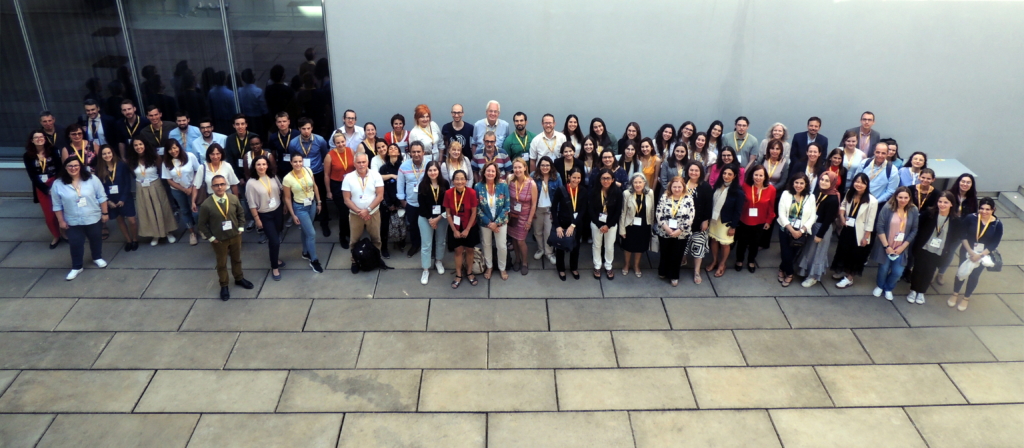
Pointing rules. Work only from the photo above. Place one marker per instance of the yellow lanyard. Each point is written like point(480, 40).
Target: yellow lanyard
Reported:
point(362, 182)
point(429, 133)
point(848, 160)
point(981, 232)
point(920, 198)
point(799, 207)
point(458, 200)
point(184, 137)
point(604, 205)
point(80, 153)
point(42, 164)
point(341, 155)
point(938, 229)
point(758, 192)
point(280, 139)
point(772, 169)
point(305, 150)
point(223, 211)
point(266, 184)
point(177, 169)
point(416, 173)
point(131, 132)
point(551, 146)
point(53, 141)
point(856, 207)
point(78, 191)
point(675, 206)
point(639, 201)
point(113, 173)
point(307, 185)
point(241, 146)
point(572, 195)
point(521, 142)
point(821, 198)
point(903, 219)
point(876, 171)
point(436, 190)
point(739, 145)
point(519, 189)
point(159, 136)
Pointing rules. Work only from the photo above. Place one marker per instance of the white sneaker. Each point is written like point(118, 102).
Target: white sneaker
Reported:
point(424, 277)
point(809, 282)
point(74, 273)
point(877, 292)
point(912, 297)
point(920, 299)
point(439, 267)
point(539, 254)
point(154, 242)
point(888, 296)
point(171, 239)
point(100, 263)
point(551, 259)
point(844, 283)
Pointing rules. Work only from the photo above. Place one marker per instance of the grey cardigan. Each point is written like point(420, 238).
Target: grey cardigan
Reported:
point(882, 228)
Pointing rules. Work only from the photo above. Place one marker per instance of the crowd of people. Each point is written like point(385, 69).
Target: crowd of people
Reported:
point(481, 190)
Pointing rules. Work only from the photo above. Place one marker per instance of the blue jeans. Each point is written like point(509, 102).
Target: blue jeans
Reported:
point(427, 237)
point(889, 272)
point(186, 219)
point(78, 235)
point(306, 215)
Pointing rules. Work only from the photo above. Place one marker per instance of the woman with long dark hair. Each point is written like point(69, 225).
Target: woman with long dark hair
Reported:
point(179, 170)
point(81, 208)
point(611, 163)
point(523, 192)
point(665, 140)
point(937, 235)
point(726, 156)
point(700, 152)
point(115, 176)
point(728, 201)
point(604, 212)
point(78, 147)
point(41, 164)
point(813, 261)
point(714, 133)
point(547, 183)
point(811, 165)
point(857, 216)
point(573, 132)
point(493, 217)
point(686, 134)
point(703, 201)
point(896, 230)
point(432, 221)
point(756, 217)
point(981, 236)
point(675, 165)
point(390, 205)
point(263, 193)
point(569, 212)
point(567, 162)
point(632, 133)
point(797, 211)
point(463, 234)
point(156, 217)
point(602, 138)
point(590, 157)
point(965, 194)
point(835, 164)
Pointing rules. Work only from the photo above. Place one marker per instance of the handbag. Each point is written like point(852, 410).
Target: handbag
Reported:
point(799, 242)
point(997, 261)
point(565, 243)
point(201, 192)
point(396, 228)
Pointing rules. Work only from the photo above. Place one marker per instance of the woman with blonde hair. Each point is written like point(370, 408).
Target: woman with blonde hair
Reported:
point(456, 161)
point(778, 131)
point(674, 216)
point(523, 192)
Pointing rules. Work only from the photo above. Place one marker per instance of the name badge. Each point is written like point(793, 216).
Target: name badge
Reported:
point(436, 210)
point(112, 189)
point(307, 163)
point(851, 222)
point(753, 212)
point(225, 225)
point(796, 224)
point(287, 157)
point(81, 202)
point(307, 202)
point(241, 163)
point(979, 248)
point(44, 178)
point(416, 187)
point(457, 220)
point(935, 242)
point(603, 217)
point(518, 207)
point(160, 150)
point(899, 237)
point(273, 203)
point(673, 224)
point(575, 215)
point(637, 221)
point(146, 183)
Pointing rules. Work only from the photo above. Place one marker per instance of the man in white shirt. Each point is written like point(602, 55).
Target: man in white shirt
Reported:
point(363, 190)
point(354, 135)
point(548, 143)
point(492, 123)
point(209, 137)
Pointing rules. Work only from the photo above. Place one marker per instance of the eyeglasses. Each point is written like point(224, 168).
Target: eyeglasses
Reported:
point(349, 118)
point(490, 141)
point(456, 113)
point(77, 133)
point(606, 178)
point(219, 185)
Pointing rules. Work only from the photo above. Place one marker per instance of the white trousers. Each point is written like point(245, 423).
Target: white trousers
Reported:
point(489, 238)
point(606, 242)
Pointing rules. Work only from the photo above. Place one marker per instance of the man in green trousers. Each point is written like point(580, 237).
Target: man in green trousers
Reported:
point(222, 221)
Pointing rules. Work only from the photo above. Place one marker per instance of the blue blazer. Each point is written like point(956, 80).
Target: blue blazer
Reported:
point(798, 147)
point(501, 202)
point(110, 132)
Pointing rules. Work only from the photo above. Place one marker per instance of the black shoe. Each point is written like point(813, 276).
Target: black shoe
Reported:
point(355, 268)
point(305, 256)
point(344, 243)
point(315, 264)
point(244, 283)
point(575, 275)
point(327, 229)
point(561, 276)
point(224, 294)
point(54, 245)
point(135, 245)
point(412, 251)
point(739, 267)
point(752, 268)
point(280, 264)
point(127, 247)
point(384, 253)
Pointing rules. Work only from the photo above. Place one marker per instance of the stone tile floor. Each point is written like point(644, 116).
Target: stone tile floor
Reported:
point(141, 354)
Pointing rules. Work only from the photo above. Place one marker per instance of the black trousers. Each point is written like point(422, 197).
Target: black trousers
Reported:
point(273, 225)
point(671, 255)
point(385, 223)
point(748, 241)
point(574, 255)
point(339, 202)
point(788, 252)
point(925, 264)
point(324, 216)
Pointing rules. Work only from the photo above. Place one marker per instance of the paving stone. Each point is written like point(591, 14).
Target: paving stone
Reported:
point(75, 391)
point(414, 430)
point(800, 347)
point(6, 378)
point(1006, 343)
point(985, 309)
point(20, 208)
point(840, 312)
point(20, 229)
point(126, 315)
point(307, 284)
point(32, 314)
point(975, 426)
point(247, 315)
point(700, 429)
point(762, 283)
point(17, 282)
point(22, 430)
point(102, 283)
point(542, 285)
point(167, 430)
point(266, 430)
point(922, 345)
point(1013, 230)
point(718, 313)
point(559, 429)
point(610, 314)
point(423, 351)
point(1012, 251)
point(208, 350)
point(405, 283)
point(1015, 302)
point(623, 389)
point(487, 391)
point(651, 286)
point(889, 385)
point(550, 350)
point(862, 286)
point(1001, 382)
point(6, 247)
point(488, 315)
point(368, 315)
point(295, 351)
point(677, 348)
point(757, 387)
point(44, 350)
point(1008, 280)
point(213, 391)
point(350, 391)
point(170, 256)
point(885, 427)
point(201, 284)
point(38, 255)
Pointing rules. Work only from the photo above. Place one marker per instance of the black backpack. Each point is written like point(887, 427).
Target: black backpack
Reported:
point(367, 256)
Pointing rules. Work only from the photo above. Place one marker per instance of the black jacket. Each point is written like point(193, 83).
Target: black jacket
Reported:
point(827, 211)
point(613, 201)
point(703, 202)
point(559, 167)
point(733, 208)
point(562, 211)
point(926, 230)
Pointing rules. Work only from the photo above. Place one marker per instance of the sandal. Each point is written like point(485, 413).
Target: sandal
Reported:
point(963, 304)
point(106, 233)
point(788, 281)
point(487, 274)
point(720, 272)
point(610, 274)
point(504, 275)
point(782, 276)
point(456, 282)
point(597, 274)
point(472, 280)
point(710, 267)
point(952, 300)
point(625, 271)
point(697, 279)
point(639, 274)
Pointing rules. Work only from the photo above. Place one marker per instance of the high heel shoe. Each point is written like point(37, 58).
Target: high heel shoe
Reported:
point(739, 267)
point(561, 276)
point(576, 275)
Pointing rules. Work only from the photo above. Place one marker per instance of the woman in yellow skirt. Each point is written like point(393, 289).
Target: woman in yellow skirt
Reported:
point(727, 206)
point(156, 217)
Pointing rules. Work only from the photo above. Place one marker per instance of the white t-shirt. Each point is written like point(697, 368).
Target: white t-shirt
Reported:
point(542, 146)
point(182, 174)
point(363, 189)
point(225, 170)
point(145, 175)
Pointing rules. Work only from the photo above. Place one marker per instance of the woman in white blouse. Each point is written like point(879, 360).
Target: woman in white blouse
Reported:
point(456, 161)
point(428, 133)
point(204, 178)
point(156, 217)
point(179, 171)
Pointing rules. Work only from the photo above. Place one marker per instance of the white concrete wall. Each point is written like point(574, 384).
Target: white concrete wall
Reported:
point(940, 76)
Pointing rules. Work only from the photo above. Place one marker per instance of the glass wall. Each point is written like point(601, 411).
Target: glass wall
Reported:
point(172, 53)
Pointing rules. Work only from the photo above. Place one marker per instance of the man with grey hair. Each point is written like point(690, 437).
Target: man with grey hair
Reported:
point(363, 190)
point(493, 124)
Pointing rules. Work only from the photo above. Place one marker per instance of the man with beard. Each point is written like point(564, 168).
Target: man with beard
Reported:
point(518, 143)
